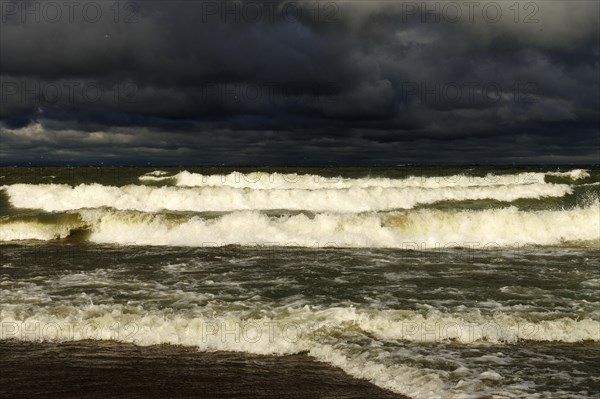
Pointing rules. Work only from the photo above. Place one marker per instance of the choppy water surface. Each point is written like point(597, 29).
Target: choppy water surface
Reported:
point(432, 282)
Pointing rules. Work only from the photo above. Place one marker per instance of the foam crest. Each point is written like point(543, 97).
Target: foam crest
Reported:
point(41, 227)
point(468, 328)
point(157, 175)
point(60, 197)
point(575, 174)
point(325, 334)
point(14, 230)
point(276, 335)
point(270, 181)
point(421, 229)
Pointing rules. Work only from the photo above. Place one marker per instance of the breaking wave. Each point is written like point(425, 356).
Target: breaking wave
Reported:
point(416, 229)
point(270, 181)
point(306, 210)
point(306, 329)
point(372, 340)
point(62, 197)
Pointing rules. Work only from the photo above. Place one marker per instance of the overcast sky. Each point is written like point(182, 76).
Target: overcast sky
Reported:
point(299, 82)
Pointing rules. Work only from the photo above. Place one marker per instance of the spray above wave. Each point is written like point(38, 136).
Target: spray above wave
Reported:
point(58, 197)
point(418, 229)
point(575, 174)
point(157, 175)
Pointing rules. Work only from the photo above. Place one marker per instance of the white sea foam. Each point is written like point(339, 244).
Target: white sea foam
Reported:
point(592, 283)
point(575, 174)
point(417, 229)
point(230, 332)
point(263, 180)
point(469, 327)
point(61, 197)
point(31, 230)
point(347, 213)
point(157, 175)
point(320, 332)
point(269, 181)
point(420, 229)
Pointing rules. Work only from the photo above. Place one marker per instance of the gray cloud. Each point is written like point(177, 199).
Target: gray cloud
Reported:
point(292, 82)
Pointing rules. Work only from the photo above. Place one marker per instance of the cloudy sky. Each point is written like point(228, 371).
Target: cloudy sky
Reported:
point(299, 82)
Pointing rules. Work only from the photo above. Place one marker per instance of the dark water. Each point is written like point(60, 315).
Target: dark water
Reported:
point(105, 369)
point(431, 282)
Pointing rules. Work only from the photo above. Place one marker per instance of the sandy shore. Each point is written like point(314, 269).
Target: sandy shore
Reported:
point(93, 369)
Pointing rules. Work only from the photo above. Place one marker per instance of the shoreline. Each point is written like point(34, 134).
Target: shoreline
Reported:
point(100, 369)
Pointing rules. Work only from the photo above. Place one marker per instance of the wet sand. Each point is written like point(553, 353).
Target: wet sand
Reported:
point(100, 369)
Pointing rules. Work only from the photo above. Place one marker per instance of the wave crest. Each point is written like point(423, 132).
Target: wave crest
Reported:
point(417, 229)
point(61, 197)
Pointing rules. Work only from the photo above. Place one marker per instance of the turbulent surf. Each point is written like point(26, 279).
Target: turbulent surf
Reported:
point(431, 282)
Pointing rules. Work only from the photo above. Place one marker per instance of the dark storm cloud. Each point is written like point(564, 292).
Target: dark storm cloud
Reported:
point(299, 81)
